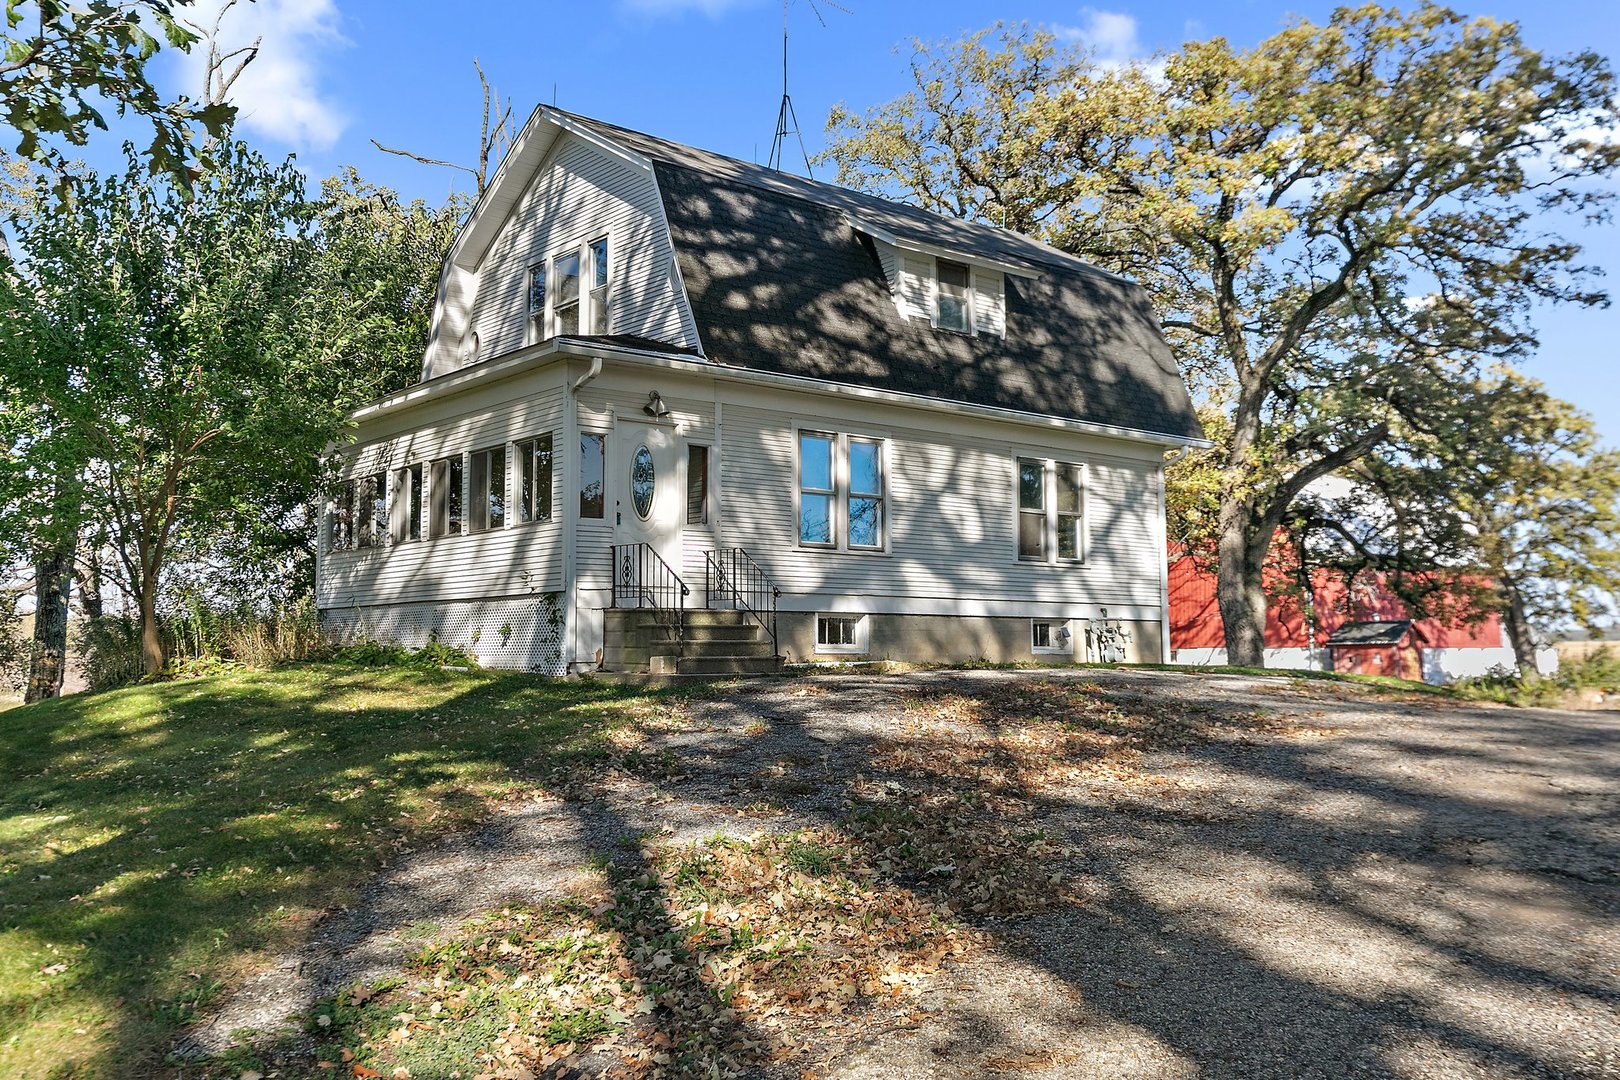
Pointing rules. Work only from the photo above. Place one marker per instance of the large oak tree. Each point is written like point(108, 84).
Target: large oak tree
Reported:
point(1336, 224)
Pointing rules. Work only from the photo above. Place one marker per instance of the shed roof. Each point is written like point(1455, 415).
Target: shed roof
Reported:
point(1387, 632)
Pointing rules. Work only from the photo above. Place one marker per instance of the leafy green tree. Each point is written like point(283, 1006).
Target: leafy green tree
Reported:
point(1334, 224)
point(1520, 498)
point(162, 337)
point(62, 63)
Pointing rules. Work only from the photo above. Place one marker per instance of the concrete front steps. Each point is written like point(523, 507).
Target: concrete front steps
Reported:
point(714, 643)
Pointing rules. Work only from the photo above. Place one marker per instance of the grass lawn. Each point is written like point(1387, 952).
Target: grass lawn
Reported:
point(155, 840)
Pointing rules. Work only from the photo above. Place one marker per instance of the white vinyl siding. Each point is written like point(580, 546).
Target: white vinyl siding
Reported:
point(582, 194)
point(950, 523)
point(499, 563)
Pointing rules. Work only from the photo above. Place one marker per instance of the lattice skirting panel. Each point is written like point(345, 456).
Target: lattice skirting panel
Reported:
point(512, 635)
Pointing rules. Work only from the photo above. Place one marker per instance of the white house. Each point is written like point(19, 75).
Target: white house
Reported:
point(687, 413)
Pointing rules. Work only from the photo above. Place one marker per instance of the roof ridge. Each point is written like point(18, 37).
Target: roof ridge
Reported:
point(782, 184)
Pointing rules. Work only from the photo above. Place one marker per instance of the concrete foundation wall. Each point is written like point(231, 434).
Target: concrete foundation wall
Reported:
point(955, 639)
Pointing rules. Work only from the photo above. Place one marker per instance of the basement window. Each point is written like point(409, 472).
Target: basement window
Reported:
point(841, 633)
point(1051, 636)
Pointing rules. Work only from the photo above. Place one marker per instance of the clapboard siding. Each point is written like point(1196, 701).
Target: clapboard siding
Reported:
point(581, 193)
point(520, 559)
point(950, 519)
point(989, 302)
point(694, 417)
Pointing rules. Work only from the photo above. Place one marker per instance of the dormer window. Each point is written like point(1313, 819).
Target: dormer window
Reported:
point(570, 293)
point(953, 291)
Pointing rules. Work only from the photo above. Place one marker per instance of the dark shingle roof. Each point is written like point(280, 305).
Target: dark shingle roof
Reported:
point(1389, 632)
point(780, 281)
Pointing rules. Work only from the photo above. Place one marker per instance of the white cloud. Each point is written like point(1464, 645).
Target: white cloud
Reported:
point(279, 95)
point(1110, 36)
point(658, 9)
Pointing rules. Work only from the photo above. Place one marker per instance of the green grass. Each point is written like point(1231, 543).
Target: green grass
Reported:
point(158, 841)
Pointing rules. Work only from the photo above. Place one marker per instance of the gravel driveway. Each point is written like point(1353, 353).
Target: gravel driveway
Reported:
point(1391, 886)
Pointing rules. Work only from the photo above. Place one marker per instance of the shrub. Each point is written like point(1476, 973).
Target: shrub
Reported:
point(370, 653)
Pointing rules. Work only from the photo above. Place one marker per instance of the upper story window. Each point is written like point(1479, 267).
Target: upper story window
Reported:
point(953, 296)
point(1051, 511)
point(841, 491)
point(565, 294)
point(599, 286)
point(571, 293)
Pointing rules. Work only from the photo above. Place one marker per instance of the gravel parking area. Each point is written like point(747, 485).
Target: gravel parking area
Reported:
point(1337, 882)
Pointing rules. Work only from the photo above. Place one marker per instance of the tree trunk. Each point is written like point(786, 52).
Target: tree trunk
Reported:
point(89, 576)
point(1240, 591)
point(151, 640)
point(1520, 635)
point(53, 582)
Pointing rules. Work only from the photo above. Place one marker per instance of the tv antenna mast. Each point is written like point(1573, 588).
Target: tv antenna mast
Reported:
point(787, 121)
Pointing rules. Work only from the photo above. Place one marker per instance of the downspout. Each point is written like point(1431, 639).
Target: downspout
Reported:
point(571, 516)
point(1170, 458)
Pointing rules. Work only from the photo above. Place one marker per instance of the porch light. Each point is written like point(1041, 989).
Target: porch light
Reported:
point(655, 406)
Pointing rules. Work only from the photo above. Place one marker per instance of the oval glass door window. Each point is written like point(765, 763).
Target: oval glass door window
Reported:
point(642, 482)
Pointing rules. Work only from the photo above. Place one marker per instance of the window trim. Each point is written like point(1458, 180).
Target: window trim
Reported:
point(411, 476)
point(1049, 466)
point(840, 492)
point(862, 644)
point(542, 325)
point(451, 461)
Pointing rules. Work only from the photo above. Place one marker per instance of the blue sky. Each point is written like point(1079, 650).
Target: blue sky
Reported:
point(335, 74)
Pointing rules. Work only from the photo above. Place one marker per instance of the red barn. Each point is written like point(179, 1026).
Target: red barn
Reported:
point(1298, 634)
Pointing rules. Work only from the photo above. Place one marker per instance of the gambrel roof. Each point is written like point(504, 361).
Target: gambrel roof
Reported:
point(783, 274)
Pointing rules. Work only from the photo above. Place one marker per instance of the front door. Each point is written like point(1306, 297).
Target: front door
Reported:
point(646, 505)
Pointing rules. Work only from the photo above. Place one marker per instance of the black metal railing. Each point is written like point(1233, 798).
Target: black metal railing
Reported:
point(732, 577)
point(642, 579)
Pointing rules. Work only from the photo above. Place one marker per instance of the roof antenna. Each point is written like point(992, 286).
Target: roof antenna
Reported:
point(787, 122)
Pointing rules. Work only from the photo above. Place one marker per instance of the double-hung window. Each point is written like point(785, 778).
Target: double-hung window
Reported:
point(565, 294)
point(570, 293)
point(444, 493)
point(953, 296)
point(599, 286)
point(841, 484)
point(488, 484)
point(537, 300)
point(1051, 511)
point(534, 479)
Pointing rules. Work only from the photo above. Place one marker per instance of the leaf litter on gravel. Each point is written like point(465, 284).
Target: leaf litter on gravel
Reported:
point(712, 958)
